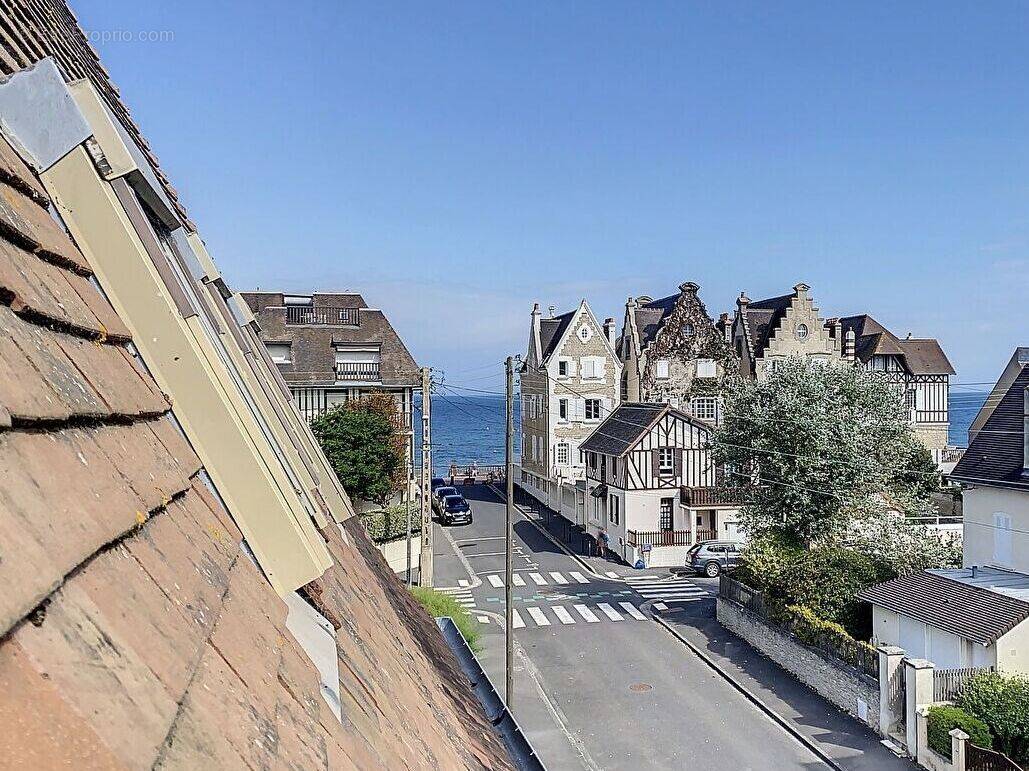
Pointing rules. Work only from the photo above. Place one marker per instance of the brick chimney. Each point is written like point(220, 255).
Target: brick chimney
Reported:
point(801, 289)
point(742, 301)
point(609, 330)
point(850, 346)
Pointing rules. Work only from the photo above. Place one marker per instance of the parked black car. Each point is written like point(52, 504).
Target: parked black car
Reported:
point(440, 493)
point(438, 482)
point(710, 558)
point(456, 510)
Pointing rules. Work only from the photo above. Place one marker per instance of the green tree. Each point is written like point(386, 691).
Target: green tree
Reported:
point(1002, 702)
point(364, 447)
point(826, 445)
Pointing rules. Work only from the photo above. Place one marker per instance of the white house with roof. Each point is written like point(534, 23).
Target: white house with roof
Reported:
point(652, 487)
point(977, 615)
point(569, 383)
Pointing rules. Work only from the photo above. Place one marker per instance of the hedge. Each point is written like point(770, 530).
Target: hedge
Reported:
point(817, 632)
point(1002, 702)
point(439, 604)
point(942, 719)
point(390, 524)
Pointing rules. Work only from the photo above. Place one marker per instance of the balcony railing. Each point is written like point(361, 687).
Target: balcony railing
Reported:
point(659, 538)
point(714, 496)
point(323, 315)
point(357, 371)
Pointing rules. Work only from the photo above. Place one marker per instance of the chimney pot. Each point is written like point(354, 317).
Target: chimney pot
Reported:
point(743, 299)
point(801, 288)
point(551, 309)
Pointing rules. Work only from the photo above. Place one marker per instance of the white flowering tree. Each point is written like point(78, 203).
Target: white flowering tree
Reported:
point(828, 446)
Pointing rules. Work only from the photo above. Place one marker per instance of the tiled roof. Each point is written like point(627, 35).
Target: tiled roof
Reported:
point(921, 356)
point(135, 629)
point(623, 428)
point(651, 315)
point(996, 455)
point(970, 612)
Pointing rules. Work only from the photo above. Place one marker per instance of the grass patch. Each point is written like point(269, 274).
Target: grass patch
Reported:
point(439, 604)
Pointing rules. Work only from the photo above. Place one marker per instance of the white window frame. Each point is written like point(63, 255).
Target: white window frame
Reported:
point(586, 409)
point(562, 409)
point(563, 363)
point(280, 346)
point(562, 448)
point(592, 368)
point(661, 369)
point(666, 461)
point(704, 408)
point(1003, 553)
point(706, 368)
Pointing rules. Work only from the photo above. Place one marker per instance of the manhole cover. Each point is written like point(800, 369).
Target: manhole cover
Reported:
point(640, 687)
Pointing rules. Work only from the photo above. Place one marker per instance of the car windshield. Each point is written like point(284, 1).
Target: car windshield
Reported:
point(454, 500)
point(443, 492)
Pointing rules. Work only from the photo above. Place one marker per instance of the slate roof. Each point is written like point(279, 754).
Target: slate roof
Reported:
point(763, 317)
point(135, 629)
point(968, 611)
point(551, 332)
point(626, 426)
point(650, 317)
point(995, 455)
point(921, 356)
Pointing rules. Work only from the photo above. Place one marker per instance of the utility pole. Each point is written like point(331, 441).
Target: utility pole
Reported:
point(408, 479)
point(425, 562)
point(508, 535)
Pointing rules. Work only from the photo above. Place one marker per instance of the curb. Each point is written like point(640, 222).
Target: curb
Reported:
point(532, 521)
point(753, 698)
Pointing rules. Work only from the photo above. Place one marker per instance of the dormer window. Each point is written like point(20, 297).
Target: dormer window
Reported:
point(688, 329)
point(802, 332)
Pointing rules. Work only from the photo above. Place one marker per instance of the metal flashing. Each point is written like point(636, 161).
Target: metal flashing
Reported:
point(39, 115)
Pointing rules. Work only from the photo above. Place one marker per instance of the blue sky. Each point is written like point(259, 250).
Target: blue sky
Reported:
point(457, 161)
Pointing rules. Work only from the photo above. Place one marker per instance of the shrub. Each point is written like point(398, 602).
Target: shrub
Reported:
point(942, 719)
point(390, 524)
point(823, 579)
point(817, 632)
point(1002, 702)
point(439, 604)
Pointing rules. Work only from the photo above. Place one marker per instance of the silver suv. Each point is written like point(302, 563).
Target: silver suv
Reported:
point(710, 558)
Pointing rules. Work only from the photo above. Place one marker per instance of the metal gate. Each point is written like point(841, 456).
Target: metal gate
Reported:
point(982, 759)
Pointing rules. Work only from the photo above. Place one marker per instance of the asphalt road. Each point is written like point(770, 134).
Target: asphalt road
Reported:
point(599, 684)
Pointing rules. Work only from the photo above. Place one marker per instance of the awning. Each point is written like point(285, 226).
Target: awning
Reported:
point(599, 491)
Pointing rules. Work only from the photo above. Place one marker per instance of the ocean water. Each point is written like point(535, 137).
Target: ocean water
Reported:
point(469, 429)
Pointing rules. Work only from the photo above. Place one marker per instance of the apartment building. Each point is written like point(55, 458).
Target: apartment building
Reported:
point(570, 382)
point(330, 348)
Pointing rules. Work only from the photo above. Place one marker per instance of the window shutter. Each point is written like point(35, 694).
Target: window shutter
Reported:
point(677, 461)
point(605, 408)
point(1002, 539)
point(571, 368)
point(655, 463)
point(580, 409)
point(600, 366)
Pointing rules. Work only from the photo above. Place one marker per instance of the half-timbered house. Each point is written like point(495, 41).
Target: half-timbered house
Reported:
point(919, 368)
point(651, 484)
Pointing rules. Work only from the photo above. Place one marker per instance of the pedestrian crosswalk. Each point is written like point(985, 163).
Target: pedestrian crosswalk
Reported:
point(496, 580)
point(666, 588)
point(462, 595)
point(540, 615)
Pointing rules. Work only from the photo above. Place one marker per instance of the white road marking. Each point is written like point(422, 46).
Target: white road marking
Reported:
point(516, 619)
point(496, 580)
point(518, 580)
point(558, 577)
point(633, 611)
point(587, 614)
point(540, 580)
point(612, 574)
point(562, 615)
point(463, 582)
point(610, 612)
point(483, 619)
point(579, 577)
point(660, 606)
point(538, 616)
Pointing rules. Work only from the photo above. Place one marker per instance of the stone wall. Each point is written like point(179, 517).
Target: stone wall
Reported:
point(835, 682)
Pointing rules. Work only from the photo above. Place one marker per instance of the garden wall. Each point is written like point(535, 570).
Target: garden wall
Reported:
point(839, 684)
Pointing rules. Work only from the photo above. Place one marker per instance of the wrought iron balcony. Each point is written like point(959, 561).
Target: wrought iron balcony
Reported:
point(323, 315)
point(357, 371)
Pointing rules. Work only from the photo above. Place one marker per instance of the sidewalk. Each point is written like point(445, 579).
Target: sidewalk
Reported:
point(851, 744)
